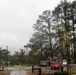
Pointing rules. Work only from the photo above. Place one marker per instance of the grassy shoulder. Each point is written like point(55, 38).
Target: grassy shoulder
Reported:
point(5, 71)
point(45, 70)
point(72, 72)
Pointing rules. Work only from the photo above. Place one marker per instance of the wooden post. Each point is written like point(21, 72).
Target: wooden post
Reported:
point(39, 69)
point(32, 68)
point(61, 69)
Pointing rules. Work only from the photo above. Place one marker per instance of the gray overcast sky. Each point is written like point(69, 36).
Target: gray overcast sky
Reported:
point(17, 18)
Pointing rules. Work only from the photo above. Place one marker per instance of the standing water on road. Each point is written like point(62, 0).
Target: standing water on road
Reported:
point(17, 71)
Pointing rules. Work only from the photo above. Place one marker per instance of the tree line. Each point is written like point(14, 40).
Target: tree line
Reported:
point(16, 59)
point(55, 33)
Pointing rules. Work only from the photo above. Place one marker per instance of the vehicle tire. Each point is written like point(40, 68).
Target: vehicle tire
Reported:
point(51, 68)
point(58, 68)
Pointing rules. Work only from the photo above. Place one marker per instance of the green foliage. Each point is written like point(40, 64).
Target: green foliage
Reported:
point(18, 58)
point(62, 73)
point(41, 42)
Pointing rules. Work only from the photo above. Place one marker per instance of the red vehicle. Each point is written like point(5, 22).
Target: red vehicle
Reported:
point(56, 65)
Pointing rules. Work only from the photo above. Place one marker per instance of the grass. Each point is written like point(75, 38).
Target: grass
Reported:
point(72, 72)
point(6, 71)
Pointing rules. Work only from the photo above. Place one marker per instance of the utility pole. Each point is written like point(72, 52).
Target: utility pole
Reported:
point(7, 54)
